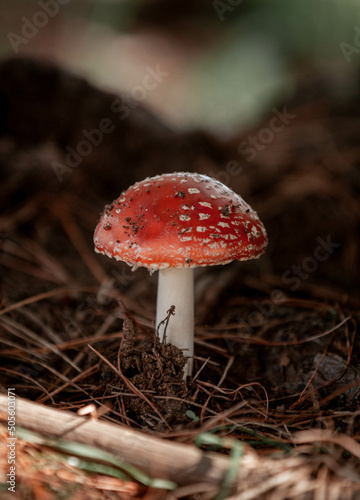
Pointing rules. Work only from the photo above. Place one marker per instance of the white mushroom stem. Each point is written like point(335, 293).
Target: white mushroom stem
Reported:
point(176, 288)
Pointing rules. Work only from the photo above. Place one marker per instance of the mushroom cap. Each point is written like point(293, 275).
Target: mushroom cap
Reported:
point(179, 220)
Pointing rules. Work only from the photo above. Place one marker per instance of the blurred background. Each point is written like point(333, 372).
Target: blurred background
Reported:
point(228, 62)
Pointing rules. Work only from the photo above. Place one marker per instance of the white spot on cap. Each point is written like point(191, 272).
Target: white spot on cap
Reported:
point(186, 238)
point(208, 186)
point(201, 229)
point(183, 180)
point(193, 190)
point(185, 207)
point(204, 216)
point(223, 224)
point(205, 204)
point(184, 217)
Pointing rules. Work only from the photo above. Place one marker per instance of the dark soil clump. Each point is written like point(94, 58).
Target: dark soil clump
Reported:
point(145, 370)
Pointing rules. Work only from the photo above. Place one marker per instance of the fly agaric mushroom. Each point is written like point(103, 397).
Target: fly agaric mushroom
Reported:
point(173, 223)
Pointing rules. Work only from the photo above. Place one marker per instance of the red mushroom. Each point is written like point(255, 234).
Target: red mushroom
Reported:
point(173, 223)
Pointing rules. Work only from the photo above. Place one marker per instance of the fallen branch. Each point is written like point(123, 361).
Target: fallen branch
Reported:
point(182, 464)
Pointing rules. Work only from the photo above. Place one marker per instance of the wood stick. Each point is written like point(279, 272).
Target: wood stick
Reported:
point(183, 464)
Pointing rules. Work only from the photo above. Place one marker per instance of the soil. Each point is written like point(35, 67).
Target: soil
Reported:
point(276, 347)
point(153, 369)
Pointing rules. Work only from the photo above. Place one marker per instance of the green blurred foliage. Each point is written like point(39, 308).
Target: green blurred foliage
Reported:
point(263, 48)
point(252, 59)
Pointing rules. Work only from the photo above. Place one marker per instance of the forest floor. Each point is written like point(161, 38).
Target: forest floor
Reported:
point(277, 354)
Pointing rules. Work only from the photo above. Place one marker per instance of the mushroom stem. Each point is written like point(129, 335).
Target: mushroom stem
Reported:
point(176, 287)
